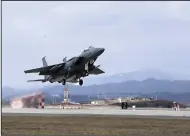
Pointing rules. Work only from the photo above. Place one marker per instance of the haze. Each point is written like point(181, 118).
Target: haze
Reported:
point(136, 36)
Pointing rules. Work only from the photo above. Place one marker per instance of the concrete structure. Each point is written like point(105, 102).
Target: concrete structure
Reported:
point(70, 105)
point(98, 102)
point(119, 100)
point(66, 95)
point(107, 101)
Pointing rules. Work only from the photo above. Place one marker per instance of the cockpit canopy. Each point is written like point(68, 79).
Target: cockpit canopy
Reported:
point(88, 48)
point(91, 47)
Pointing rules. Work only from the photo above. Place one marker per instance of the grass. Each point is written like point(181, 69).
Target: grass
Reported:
point(93, 125)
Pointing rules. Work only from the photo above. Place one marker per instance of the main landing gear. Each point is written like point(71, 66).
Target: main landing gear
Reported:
point(87, 65)
point(80, 82)
point(51, 81)
point(63, 82)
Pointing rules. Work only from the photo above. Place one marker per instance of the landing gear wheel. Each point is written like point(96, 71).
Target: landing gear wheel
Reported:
point(51, 81)
point(63, 82)
point(80, 82)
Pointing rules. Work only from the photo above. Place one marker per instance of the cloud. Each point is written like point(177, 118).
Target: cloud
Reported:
point(136, 35)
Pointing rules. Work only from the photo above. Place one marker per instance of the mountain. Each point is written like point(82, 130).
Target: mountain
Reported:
point(8, 91)
point(147, 81)
point(180, 97)
point(136, 75)
point(147, 86)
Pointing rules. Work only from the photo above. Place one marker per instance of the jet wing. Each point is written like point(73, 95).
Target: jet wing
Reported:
point(37, 70)
point(97, 71)
point(44, 69)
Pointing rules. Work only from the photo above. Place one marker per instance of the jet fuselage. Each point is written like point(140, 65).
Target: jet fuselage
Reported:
point(74, 66)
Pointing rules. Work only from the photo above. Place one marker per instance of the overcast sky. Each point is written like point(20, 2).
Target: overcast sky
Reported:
point(136, 35)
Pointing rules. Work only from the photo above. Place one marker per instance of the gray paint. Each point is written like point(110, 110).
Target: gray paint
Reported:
point(72, 70)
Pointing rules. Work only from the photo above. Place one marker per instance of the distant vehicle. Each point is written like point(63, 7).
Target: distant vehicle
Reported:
point(70, 70)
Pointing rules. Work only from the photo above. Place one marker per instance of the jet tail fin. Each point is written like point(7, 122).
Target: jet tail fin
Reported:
point(37, 80)
point(64, 59)
point(44, 61)
point(45, 65)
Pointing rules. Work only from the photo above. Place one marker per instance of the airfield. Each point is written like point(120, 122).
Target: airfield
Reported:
point(115, 111)
point(96, 121)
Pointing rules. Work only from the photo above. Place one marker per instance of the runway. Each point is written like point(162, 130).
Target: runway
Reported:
point(140, 113)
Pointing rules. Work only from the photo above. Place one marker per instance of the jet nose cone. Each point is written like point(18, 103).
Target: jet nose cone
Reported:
point(101, 50)
point(97, 52)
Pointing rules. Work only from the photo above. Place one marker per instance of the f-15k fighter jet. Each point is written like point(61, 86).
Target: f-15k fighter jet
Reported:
point(71, 70)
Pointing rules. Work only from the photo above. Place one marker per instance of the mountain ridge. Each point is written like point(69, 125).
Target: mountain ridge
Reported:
point(147, 81)
point(150, 85)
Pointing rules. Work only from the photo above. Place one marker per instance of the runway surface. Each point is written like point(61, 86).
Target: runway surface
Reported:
point(142, 113)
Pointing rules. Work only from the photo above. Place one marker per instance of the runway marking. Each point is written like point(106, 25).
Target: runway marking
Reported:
point(84, 112)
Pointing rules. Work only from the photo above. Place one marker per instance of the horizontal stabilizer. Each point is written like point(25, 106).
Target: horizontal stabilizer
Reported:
point(65, 60)
point(37, 80)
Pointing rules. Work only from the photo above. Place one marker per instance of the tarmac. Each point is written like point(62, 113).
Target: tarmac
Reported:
point(138, 112)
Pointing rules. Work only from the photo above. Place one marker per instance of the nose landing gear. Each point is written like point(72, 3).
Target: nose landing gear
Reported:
point(86, 73)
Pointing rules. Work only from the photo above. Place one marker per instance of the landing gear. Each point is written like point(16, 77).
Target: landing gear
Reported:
point(51, 81)
point(80, 82)
point(86, 73)
point(63, 82)
point(91, 62)
point(88, 66)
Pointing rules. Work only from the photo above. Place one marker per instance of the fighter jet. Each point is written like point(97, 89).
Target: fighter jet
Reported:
point(71, 70)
